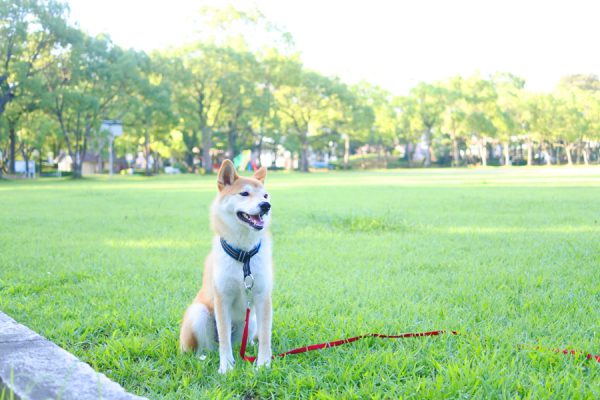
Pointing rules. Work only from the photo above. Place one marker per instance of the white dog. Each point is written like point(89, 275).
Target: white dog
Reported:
point(240, 259)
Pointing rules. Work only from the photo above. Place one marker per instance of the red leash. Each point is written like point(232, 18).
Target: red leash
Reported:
point(568, 352)
point(333, 343)
point(588, 356)
point(340, 342)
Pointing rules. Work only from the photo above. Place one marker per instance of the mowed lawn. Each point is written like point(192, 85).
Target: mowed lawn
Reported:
point(510, 258)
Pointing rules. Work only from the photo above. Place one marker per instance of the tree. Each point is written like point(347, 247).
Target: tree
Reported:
point(582, 120)
point(85, 85)
point(22, 139)
point(250, 43)
point(4, 148)
point(585, 82)
point(409, 127)
point(265, 120)
point(207, 92)
point(428, 103)
point(245, 86)
point(307, 103)
point(480, 109)
point(242, 30)
point(30, 32)
point(360, 106)
point(149, 116)
point(455, 114)
point(544, 121)
point(506, 117)
point(35, 128)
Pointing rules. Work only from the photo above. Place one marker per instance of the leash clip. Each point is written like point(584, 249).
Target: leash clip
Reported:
point(249, 282)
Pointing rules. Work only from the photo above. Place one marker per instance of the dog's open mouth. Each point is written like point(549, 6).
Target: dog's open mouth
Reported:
point(255, 221)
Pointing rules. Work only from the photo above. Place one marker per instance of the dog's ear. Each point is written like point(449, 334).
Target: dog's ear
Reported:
point(261, 174)
point(227, 175)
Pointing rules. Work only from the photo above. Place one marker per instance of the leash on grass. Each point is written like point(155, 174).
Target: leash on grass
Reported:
point(566, 352)
point(245, 256)
point(334, 343)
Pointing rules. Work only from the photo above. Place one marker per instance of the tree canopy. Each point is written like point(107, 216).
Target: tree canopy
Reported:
point(241, 86)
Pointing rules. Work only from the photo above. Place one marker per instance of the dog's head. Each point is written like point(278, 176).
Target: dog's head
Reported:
point(242, 203)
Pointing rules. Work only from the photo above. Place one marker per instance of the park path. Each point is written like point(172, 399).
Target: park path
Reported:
point(32, 367)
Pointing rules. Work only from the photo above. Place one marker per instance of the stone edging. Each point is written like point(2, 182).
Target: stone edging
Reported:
point(34, 368)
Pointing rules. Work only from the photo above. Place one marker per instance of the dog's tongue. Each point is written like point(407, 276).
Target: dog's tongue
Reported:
point(256, 219)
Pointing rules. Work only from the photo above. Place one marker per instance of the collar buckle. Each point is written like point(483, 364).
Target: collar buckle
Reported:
point(249, 282)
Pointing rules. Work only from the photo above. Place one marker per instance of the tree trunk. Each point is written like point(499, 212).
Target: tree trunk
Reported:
point(529, 152)
point(80, 151)
point(26, 158)
point(304, 159)
point(259, 150)
point(304, 154)
point(190, 142)
point(483, 152)
point(455, 153)
point(189, 159)
point(76, 167)
point(346, 151)
point(231, 142)
point(157, 162)
point(147, 150)
point(410, 153)
point(206, 146)
point(568, 149)
point(428, 152)
point(584, 152)
point(547, 154)
point(507, 154)
point(13, 148)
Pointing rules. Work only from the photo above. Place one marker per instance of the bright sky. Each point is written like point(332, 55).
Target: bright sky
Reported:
point(394, 43)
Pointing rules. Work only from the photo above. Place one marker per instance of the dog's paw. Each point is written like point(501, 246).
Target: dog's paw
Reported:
point(225, 366)
point(263, 360)
point(266, 364)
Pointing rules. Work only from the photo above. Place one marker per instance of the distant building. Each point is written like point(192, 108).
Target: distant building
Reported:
point(92, 164)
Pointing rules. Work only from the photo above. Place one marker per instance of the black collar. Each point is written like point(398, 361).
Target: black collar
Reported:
point(243, 257)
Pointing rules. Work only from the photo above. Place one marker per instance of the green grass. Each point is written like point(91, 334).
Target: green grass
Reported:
point(510, 258)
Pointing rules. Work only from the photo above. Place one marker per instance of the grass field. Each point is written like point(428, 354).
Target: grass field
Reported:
point(510, 258)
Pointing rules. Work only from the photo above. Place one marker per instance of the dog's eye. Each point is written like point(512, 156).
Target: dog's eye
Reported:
point(266, 196)
point(244, 194)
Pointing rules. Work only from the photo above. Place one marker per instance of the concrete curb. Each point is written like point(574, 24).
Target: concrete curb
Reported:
point(34, 368)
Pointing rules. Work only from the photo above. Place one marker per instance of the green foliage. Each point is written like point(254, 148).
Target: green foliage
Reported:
point(314, 107)
point(85, 86)
point(30, 31)
point(509, 259)
point(241, 85)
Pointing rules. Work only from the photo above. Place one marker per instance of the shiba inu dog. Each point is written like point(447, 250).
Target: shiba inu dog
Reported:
point(237, 271)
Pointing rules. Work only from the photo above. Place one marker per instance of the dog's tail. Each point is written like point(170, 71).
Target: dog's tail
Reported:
point(187, 339)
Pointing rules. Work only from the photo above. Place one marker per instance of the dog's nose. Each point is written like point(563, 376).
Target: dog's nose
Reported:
point(265, 206)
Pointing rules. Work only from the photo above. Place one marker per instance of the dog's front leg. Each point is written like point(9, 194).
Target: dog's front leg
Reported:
point(264, 316)
point(223, 319)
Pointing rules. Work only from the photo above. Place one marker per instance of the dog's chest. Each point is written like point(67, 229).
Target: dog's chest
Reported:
point(229, 273)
